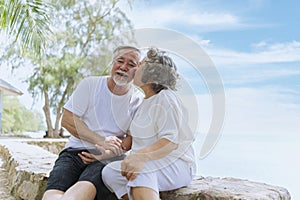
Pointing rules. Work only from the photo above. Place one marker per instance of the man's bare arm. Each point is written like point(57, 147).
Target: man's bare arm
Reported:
point(77, 128)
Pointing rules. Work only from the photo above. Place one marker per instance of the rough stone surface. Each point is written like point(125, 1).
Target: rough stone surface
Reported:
point(210, 188)
point(4, 186)
point(28, 165)
point(53, 146)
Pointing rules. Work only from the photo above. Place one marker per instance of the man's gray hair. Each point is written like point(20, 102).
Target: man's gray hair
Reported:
point(116, 52)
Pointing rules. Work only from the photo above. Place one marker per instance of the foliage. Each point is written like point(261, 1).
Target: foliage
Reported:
point(83, 36)
point(16, 118)
point(81, 46)
point(27, 21)
point(54, 76)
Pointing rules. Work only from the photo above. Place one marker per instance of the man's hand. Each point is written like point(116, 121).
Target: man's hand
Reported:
point(113, 144)
point(89, 158)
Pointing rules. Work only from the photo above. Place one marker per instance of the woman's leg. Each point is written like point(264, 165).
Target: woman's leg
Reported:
point(174, 176)
point(150, 182)
point(144, 193)
point(113, 179)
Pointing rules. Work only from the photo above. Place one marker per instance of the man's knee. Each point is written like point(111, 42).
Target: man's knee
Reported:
point(53, 195)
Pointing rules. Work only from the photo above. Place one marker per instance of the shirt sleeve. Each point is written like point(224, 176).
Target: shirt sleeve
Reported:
point(79, 101)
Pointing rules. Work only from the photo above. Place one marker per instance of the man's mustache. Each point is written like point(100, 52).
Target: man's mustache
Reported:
point(122, 73)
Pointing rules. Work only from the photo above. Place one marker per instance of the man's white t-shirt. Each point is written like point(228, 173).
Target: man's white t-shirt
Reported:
point(163, 116)
point(102, 111)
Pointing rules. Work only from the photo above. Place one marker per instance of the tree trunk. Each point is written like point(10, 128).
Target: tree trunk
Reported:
point(50, 133)
point(57, 130)
point(57, 122)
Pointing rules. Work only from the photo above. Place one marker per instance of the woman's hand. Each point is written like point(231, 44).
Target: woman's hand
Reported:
point(132, 165)
point(127, 142)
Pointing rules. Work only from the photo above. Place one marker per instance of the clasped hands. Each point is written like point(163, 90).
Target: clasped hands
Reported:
point(111, 147)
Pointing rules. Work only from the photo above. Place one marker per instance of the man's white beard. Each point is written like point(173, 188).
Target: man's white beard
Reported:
point(120, 80)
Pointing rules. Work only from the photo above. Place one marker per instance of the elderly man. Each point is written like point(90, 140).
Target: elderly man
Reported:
point(98, 114)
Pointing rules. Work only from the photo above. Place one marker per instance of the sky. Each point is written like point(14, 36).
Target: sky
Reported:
point(255, 47)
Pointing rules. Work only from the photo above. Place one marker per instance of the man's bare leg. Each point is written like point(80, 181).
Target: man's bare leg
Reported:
point(53, 195)
point(84, 190)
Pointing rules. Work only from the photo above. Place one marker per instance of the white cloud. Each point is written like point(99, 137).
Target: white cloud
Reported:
point(260, 44)
point(181, 14)
point(266, 53)
point(255, 75)
point(201, 17)
point(255, 111)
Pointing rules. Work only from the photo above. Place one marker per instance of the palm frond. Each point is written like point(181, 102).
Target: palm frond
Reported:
point(27, 21)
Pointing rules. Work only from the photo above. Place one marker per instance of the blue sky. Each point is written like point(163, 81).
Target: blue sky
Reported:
point(255, 46)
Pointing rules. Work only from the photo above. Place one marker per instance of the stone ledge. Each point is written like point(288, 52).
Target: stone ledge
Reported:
point(54, 146)
point(211, 188)
point(29, 167)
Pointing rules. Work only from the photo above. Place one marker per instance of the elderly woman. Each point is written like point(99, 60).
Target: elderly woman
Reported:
point(162, 157)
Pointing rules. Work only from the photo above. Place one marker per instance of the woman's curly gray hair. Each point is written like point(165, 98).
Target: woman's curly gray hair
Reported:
point(159, 70)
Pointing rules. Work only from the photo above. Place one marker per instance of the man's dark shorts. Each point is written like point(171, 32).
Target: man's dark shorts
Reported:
point(69, 169)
